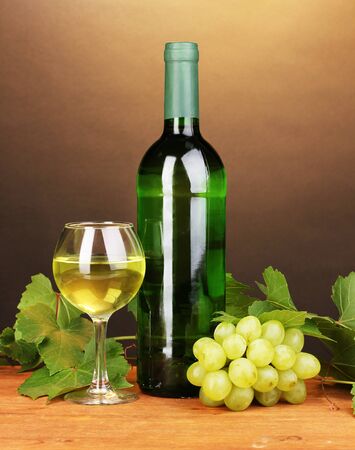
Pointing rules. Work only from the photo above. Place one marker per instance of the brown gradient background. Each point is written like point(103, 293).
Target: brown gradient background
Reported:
point(82, 99)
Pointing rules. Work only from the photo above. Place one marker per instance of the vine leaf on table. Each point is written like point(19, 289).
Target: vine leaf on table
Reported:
point(21, 351)
point(41, 383)
point(60, 342)
point(51, 338)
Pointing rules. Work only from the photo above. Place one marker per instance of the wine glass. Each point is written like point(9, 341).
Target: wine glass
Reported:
point(99, 268)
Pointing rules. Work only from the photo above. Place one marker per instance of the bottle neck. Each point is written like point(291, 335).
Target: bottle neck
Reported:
point(182, 125)
point(181, 91)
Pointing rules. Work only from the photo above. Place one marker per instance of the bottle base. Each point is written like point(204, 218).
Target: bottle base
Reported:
point(170, 393)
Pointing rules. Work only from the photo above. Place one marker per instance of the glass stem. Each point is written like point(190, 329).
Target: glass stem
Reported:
point(100, 384)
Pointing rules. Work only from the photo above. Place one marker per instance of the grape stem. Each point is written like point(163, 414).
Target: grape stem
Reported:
point(333, 380)
point(332, 405)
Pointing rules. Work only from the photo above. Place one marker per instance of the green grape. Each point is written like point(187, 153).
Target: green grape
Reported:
point(242, 372)
point(287, 380)
point(249, 327)
point(234, 346)
point(223, 330)
point(199, 344)
point(216, 385)
point(294, 338)
point(195, 374)
point(212, 357)
point(284, 357)
point(297, 394)
point(260, 352)
point(273, 331)
point(207, 401)
point(267, 379)
point(306, 366)
point(268, 398)
point(239, 398)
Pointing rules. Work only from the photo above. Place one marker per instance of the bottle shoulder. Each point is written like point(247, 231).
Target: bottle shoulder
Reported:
point(181, 148)
point(186, 163)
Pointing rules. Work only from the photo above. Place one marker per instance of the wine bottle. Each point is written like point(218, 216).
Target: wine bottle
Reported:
point(181, 189)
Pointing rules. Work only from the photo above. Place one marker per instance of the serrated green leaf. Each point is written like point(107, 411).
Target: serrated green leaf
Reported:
point(317, 316)
point(66, 313)
point(309, 328)
point(117, 366)
point(260, 306)
point(342, 345)
point(237, 299)
point(38, 291)
point(277, 289)
point(262, 287)
point(239, 307)
point(7, 336)
point(232, 284)
point(333, 375)
point(353, 394)
point(222, 316)
point(59, 347)
point(343, 295)
point(41, 383)
point(289, 319)
point(31, 365)
point(19, 351)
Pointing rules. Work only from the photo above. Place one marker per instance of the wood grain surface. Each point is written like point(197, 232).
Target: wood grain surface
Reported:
point(322, 422)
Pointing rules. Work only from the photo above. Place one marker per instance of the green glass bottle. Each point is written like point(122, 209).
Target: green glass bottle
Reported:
point(181, 189)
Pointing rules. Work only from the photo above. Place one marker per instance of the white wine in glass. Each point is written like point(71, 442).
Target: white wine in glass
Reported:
point(99, 268)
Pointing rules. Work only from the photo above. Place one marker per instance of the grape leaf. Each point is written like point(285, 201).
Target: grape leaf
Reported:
point(20, 351)
point(309, 328)
point(353, 394)
point(343, 295)
point(116, 364)
point(237, 299)
point(262, 287)
point(260, 306)
point(332, 374)
point(277, 289)
point(59, 346)
point(66, 312)
point(342, 346)
point(41, 383)
point(38, 291)
point(289, 319)
point(222, 316)
point(240, 306)
point(233, 284)
point(31, 365)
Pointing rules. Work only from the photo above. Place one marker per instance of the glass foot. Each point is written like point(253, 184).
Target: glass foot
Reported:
point(112, 397)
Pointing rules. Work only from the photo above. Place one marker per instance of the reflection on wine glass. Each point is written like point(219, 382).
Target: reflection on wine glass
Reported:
point(99, 268)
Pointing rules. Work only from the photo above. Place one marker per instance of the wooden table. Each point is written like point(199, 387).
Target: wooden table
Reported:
point(165, 424)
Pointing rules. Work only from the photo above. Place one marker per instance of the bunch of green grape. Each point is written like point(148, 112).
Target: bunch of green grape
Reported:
point(250, 360)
